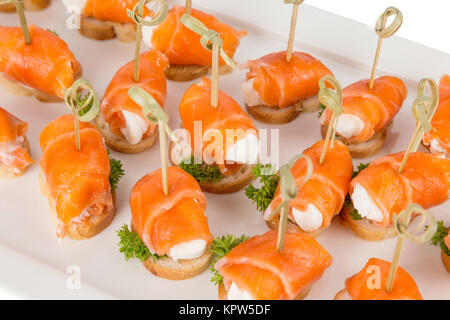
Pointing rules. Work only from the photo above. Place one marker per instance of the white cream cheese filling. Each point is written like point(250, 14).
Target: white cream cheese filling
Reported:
point(234, 293)
point(135, 127)
point(188, 250)
point(435, 147)
point(251, 96)
point(365, 205)
point(349, 125)
point(309, 220)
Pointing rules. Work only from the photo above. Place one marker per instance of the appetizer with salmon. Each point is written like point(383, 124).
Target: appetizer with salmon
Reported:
point(253, 269)
point(80, 184)
point(169, 233)
point(188, 59)
point(121, 121)
point(319, 200)
point(438, 139)
point(367, 115)
point(14, 147)
point(222, 156)
point(442, 239)
point(45, 68)
point(370, 284)
point(380, 191)
point(31, 5)
point(276, 91)
point(107, 19)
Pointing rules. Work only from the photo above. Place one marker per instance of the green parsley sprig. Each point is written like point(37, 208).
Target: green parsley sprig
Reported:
point(269, 180)
point(360, 168)
point(220, 248)
point(322, 109)
point(201, 172)
point(116, 173)
point(132, 246)
point(439, 236)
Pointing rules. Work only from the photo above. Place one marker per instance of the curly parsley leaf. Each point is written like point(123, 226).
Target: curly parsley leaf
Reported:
point(201, 172)
point(360, 168)
point(221, 247)
point(355, 215)
point(53, 31)
point(132, 246)
point(269, 180)
point(439, 237)
point(116, 172)
point(322, 109)
point(81, 101)
point(353, 212)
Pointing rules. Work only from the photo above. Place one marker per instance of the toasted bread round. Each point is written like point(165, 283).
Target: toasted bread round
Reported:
point(291, 227)
point(228, 184)
point(223, 293)
point(167, 268)
point(365, 149)
point(79, 231)
point(191, 72)
point(21, 90)
point(95, 29)
point(276, 115)
point(7, 172)
point(364, 228)
point(342, 295)
point(31, 5)
point(445, 260)
point(119, 143)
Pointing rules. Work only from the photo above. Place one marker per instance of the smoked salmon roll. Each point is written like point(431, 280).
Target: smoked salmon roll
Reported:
point(45, 68)
point(107, 19)
point(321, 198)
point(188, 58)
point(31, 5)
point(14, 147)
point(276, 91)
point(380, 191)
point(121, 121)
point(256, 270)
point(367, 114)
point(228, 140)
point(370, 284)
point(173, 228)
point(76, 182)
point(438, 139)
point(445, 254)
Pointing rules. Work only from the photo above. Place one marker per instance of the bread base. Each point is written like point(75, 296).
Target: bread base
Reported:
point(229, 183)
point(21, 90)
point(276, 115)
point(7, 172)
point(95, 29)
point(183, 73)
point(365, 149)
point(223, 293)
point(79, 231)
point(119, 143)
point(342, 295)
point(291, 227)
point(364, 228)
point(445, 260)
point(31, 5)
point(169, 269)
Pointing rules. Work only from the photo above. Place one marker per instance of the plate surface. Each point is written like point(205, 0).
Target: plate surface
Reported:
point(35, 265)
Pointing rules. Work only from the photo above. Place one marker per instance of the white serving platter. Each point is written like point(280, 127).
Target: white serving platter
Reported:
point(34, 265)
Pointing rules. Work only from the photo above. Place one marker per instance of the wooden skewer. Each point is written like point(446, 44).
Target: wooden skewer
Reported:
point(22, 18)
point(424, 109)
point(215, 75)
point(292, 31)
point(401, 223)
point(189, 6)
point(163, 153)
point(383, 32)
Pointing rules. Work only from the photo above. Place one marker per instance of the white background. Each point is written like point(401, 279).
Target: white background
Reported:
point(425, 22)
